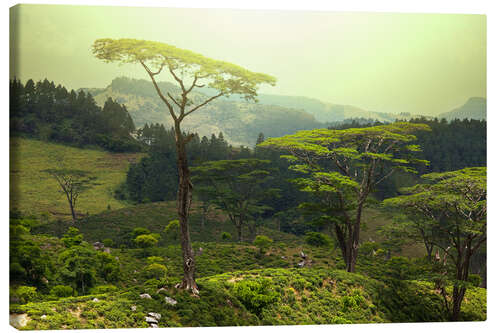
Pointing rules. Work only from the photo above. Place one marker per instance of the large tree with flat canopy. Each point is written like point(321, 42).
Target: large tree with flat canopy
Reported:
point(343, 167)
point(189, 70)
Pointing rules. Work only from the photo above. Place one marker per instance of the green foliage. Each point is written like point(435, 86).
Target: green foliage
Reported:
point(255, 295)
point(72, 237)
point(262, 242)
point(172, 230)
point(108, 242)
point(236, 187)
point(225, 235)
point(225, 77)
point(139, 231)
point(156, 270)
point(107, 267)
point(145, 241)
point(318, 239)
point(77, 266)
point(155, 260)
point(475, 279)
point(26, 293)
point(51, 113)
point(104, 289)
point(62, 291)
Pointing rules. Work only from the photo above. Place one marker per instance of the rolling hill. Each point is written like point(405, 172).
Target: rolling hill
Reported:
point(239, 121)
point(474, 108)
point(33, 191)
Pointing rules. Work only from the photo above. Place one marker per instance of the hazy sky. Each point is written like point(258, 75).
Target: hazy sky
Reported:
point(418, 63)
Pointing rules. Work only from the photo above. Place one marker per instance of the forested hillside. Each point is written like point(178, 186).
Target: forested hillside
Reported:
point(48, 112)
point(271, 225)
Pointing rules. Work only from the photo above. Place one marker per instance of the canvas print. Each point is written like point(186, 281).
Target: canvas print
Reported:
point(176, 167)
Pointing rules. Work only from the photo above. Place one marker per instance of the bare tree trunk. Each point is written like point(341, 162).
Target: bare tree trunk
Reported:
point(184, 198)
point(73, 214)
point(238, 229)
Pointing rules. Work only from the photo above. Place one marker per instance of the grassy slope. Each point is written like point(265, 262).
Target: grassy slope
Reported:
point(304, 296)
point(117, 224)
point(33, 191)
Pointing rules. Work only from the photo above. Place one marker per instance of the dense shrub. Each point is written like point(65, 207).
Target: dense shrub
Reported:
point(262, 242)
point(26, 293)
point(256, 294)
point(225, 235)
point(156, 271)
point(62, 291)
point(318, 239)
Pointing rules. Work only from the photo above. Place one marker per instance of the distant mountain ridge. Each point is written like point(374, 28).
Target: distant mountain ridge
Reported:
point(322, 111)
point(238, 120)
point(474, 108)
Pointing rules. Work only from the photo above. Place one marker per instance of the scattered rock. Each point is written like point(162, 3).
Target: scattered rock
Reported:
point(301, 264)
point(153, 325)
point(133, 308)
point(43, 316)
point(95, 300)
point(170, 301)
point(145, 296)
point(283, 257)
point(155, 315)
point(161, 290)
point(151, 320)
point(135, 271)
point(107, 250)
point(44, 280)
point(135, 280)
point(98, 245)
point(303, 255)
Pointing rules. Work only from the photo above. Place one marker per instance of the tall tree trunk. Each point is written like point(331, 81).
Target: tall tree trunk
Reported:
point(459, 291)
point(353, 245)
point(184, 198)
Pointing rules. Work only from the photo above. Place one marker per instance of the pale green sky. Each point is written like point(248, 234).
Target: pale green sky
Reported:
point(418, 63)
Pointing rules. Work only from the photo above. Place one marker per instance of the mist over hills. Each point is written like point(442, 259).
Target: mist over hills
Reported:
point(474, 108)
point(241, 121)
point(238, 120)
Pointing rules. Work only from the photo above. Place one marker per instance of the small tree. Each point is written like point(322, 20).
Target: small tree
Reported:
point(172, 230)
point(344, 167)
point(77, 265)
point(263, 243)
point(235, 186)
point(72, 183)
point(189, 70)
point(146, 242)
point(454, 203)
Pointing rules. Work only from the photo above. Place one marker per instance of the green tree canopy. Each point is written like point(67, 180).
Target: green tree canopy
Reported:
point(342, 167)
point(454, 205)
point(235, 187)
point(189, 70)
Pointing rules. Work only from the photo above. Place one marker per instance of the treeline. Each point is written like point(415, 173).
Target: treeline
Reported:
point(452, 145)
point(154, 178)
point(48, 112)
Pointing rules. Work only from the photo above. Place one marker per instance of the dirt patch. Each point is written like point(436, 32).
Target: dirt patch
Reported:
point(235, 279)
point(18, 320)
